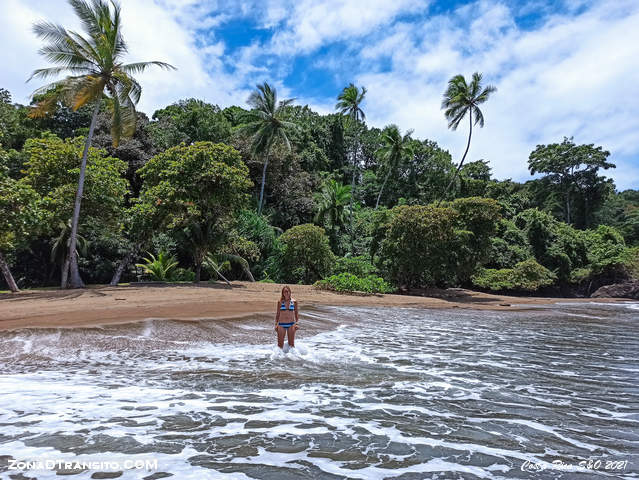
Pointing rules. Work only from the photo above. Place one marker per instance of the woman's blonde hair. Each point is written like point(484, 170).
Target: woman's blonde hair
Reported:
point(282, 294)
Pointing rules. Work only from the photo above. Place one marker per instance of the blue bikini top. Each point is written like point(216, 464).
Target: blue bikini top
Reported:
point(291, 305)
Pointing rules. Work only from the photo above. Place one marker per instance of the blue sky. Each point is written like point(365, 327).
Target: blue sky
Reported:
point(562, 68)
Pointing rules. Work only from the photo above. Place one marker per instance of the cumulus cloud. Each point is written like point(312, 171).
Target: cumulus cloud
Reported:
point(153, 31)
point(570, 76)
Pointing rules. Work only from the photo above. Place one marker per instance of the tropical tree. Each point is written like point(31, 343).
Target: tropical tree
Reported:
point(463, 98)
point(573, 169)
point(394, 150)
point(331, 204)
point(197, 190)
point(93, 63)
point(266, 125)
point(22, 217)
point(348, 104)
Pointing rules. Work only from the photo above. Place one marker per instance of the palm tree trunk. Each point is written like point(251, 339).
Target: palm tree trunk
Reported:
point(352, 195)
point(382, 189)
point(64, 281)
point(470, 133)
point(268, 151)
point(123, 264)
point(198, 271)
point(6, 271)
point(223, 277)
point(76, 280)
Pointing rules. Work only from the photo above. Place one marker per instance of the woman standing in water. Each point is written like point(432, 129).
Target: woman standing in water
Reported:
point(286, 318)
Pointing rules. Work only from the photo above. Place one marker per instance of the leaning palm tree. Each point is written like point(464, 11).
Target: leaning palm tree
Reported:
point(348, 104)
point(266, 125)
point(394, 149)
point(331, 204)
point(462, 98)
point(93, 63)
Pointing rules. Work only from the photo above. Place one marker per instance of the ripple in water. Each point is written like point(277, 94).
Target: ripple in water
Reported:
point(390, 393)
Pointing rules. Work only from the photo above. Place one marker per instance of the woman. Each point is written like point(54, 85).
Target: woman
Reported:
point(286, 318)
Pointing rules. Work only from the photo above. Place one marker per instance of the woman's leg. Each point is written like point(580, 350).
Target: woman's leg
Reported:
point(281, 332)
point(291, 336)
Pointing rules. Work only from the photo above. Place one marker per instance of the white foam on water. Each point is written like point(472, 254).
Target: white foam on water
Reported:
point(362, 387)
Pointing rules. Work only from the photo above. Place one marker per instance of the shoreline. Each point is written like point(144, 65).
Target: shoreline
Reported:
point(106, 305)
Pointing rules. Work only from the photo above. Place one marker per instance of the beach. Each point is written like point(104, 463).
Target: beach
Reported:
point(105, 305)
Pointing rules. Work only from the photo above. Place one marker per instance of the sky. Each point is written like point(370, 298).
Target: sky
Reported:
point(561, 67)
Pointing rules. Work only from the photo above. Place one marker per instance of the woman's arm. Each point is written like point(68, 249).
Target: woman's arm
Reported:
point(297, 315)
point(277, 315)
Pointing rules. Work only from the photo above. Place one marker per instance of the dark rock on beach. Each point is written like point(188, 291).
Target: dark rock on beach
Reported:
point(619, 290)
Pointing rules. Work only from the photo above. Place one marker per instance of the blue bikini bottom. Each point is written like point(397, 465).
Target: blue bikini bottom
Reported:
point(286, 325)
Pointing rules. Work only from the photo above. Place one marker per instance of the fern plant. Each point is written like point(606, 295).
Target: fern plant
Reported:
point(160, 268)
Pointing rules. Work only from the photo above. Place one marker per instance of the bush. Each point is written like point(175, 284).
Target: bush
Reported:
point(305, 255)
point(347, 282)
point(526, 276)
point(183, 275)
point(359, 266)
point(418, 246)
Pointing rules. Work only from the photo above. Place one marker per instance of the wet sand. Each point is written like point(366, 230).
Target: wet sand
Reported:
point(104, 305)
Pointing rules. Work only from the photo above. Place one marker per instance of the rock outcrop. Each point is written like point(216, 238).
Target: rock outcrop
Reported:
point(619, 290)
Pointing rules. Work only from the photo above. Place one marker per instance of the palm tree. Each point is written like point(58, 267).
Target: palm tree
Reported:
point(460, 99)
point(392, 152)
point(60, 249)
point(266, 125)
point(331, 205)
point(93, 63)
point(222, 261)
point(348, 104)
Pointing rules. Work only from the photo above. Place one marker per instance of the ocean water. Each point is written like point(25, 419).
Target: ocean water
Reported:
point(379, 393)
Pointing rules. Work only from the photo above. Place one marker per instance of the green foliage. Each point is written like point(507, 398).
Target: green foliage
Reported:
point(189, 121)
point(572, 172)
point(305, 255)
point(527, 276)
point(416, 249)
point(161, 268)
point(393, 152)
point(554, 244)
point(52, 169)
point(332, 202)
point(476, 225)
point(347, 282)
point(197, 189)
point(607, 253)
point(508, 247)
point(22, 214)
point(359, 266)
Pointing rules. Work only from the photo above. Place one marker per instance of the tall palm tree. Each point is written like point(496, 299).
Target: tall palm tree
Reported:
point(93, 63)
point(395, 148)
point(348, 104)
point(331, 205)
point(266, 124)
point(461, 98)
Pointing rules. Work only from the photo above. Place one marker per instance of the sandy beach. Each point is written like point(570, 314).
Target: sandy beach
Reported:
point(104, 305)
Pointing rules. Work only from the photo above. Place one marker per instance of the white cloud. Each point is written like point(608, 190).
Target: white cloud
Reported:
point(309, 24)
point(573, 76)
point(153, 31)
